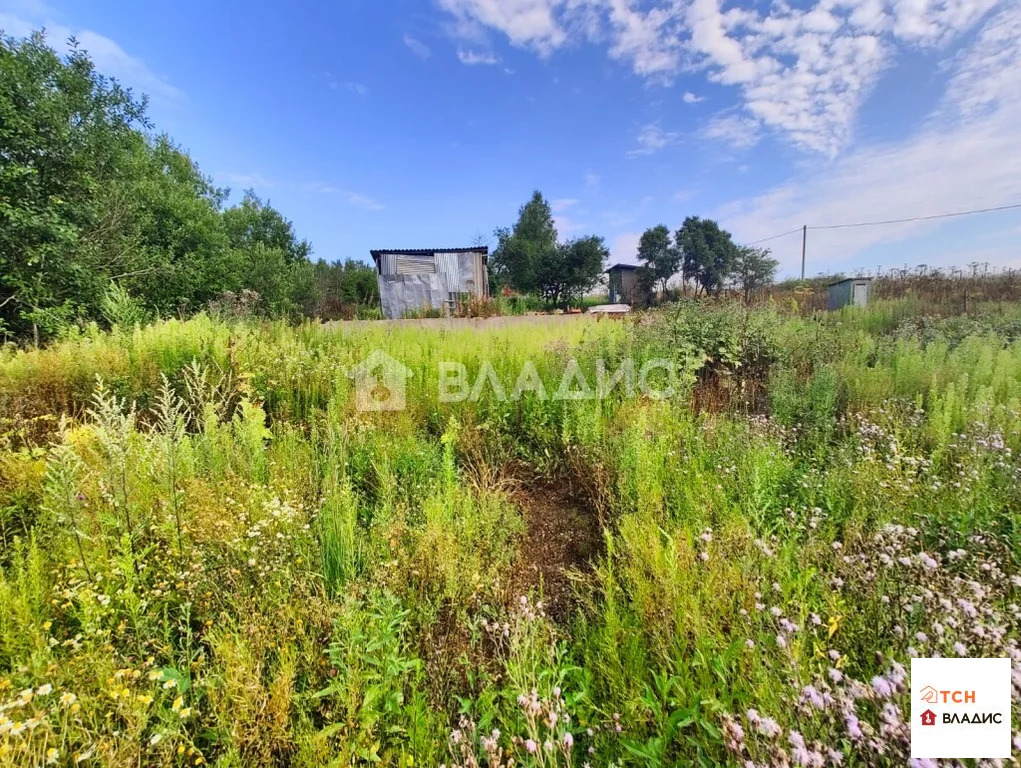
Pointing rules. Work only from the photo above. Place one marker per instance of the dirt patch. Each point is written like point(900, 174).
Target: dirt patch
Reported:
point(562, 536)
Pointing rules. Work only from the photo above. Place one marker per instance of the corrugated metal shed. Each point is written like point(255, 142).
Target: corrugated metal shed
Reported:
point(413, 280)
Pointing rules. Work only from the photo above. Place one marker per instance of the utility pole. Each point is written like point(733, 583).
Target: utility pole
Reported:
point(804, 241)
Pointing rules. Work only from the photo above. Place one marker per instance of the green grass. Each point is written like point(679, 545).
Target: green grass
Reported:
point(210, 556)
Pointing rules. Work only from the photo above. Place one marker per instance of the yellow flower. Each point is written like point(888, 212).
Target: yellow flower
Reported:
point(52, 754)
point(46, 628)
point(180, 749)
point(178, 703)
point(170, 683)
point(156, 674)
point(144, 698)
point(184, 713)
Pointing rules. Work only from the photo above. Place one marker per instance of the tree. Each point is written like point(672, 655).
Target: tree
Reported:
point(574, 269)
point(708, 253)
point(529, 259)
point(523, 250)
point(660, 257)
point(753, 269)
point(90, 199)
point(251, 221)
point(65, 135)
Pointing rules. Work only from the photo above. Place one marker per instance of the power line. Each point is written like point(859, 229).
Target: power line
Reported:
point(913, 218)
point(774, 237)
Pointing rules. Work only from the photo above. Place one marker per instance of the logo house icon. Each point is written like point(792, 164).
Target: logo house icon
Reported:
point(380, 383)
point(929, 695)
point(928, 717)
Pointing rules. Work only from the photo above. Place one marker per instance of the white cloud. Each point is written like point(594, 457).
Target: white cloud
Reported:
point(562, 204)
point(592, 179)
point(801, 71)
point(244, 180)
point(472, 58)
point(110, 59)
point(417, 47)
point(651, 139)
point(355, 199)
point(359, 88)
point(967, 162)
point(690, 98)
point(526, 23)
point(736, 130)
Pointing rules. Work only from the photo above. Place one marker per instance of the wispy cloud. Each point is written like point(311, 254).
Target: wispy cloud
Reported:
point(739, 131)
point(244, 180)
point(799, 70)
point(592, 179)
point(473, 58)
point(691, 98)
point(417, 47)
point(562, 204)
point(651, 139)
point(964, 157)
point(109, 57)
point(355, 199)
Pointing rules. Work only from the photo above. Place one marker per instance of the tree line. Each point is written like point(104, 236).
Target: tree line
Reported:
point(530, 259)
point(101, 218)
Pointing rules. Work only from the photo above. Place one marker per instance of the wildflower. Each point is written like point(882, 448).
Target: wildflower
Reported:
point(548, 745)
point(178, 703)
point(749, 644)
point(25, 696)
point(882, 687)
point(853, 727)
point(781, 641)
point(52, 755)
point(768, 727)
point(171, 683)
point(835, 674)
point(811, 695)
point(156, 739)
point(960, 649)
point(568, 739)
point(44, 689)
point(17, 728)
point(703, 556)
point(530, 746)
point(775, 610)
point(67, 699)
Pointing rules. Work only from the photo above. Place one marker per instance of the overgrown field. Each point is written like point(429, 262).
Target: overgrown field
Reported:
point(210, 556)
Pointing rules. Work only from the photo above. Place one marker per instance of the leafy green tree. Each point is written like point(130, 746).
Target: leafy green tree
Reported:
point(754, 268)
point(708, 254)
point(90, 199)
point(65, 134)
point(529, 259)
point(251, 221)
point(660, 258)
point(523, 251)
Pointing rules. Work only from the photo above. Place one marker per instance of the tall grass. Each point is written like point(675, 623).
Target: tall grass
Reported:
point(211, 556)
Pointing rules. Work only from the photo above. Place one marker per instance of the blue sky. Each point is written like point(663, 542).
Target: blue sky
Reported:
point(414, 123)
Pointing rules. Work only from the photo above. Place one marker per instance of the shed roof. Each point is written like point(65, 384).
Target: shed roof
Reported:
point(482, 249)
point(849, 279)
point(622, 266)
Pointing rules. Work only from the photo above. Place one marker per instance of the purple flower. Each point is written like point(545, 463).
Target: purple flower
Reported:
point(960, 649)
point(811, 695)
point(769, 727)
point(530, 746)
point(853, 727)
point(568, 739)
point(882, 687)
